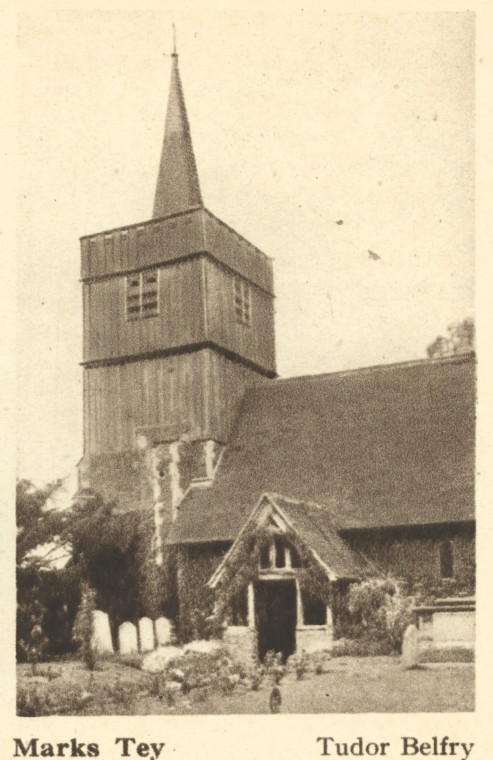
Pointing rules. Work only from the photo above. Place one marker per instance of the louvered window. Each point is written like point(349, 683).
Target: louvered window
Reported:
point(143, 294)
point(243, 304)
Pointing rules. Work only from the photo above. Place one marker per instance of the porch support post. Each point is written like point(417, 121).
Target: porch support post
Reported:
point(299, 606)
point(251, 606)
point(329, 617)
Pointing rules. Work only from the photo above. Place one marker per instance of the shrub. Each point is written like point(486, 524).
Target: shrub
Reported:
point(363, 647)
point(84, 626)
point(123, 694)
point(131, 660)
point(380, 614)
point(274, 667)
point(447, 654)
point(299, 664)
point(35, 700)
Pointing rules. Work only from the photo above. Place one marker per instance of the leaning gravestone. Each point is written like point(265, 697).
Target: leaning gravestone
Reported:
point(410, 648)
point(163, 631)
point(101, 636)
point(146, 634)
point(127, 638)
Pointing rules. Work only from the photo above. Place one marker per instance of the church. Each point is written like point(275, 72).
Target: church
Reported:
point(271, 494)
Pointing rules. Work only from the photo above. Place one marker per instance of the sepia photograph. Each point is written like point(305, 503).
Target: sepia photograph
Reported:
point(246, 367)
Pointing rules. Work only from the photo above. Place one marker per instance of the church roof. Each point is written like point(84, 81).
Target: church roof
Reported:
point(379, 447)
point(177, 188)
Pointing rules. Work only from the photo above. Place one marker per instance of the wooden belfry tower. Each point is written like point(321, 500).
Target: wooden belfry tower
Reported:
point(178, 321)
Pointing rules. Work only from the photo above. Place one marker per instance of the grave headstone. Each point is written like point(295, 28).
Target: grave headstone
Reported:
point(146, 634)
point(127, 638)
point(163, 631)
point(101, 637)
point(410, 647)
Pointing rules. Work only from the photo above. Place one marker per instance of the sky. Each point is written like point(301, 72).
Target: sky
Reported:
point(299, 120)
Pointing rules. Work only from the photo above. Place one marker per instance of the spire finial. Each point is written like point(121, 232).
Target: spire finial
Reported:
point(174, 41)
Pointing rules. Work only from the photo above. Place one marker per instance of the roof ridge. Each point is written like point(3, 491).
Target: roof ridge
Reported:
point(455, 359)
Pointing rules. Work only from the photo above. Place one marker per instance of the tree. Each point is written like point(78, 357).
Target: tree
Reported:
point(459, 340)
point(47, 598)
point(34, 525)
point(111, 553)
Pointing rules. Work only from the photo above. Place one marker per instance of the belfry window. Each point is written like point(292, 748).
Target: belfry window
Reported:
point(142, 297)
point(243, 301)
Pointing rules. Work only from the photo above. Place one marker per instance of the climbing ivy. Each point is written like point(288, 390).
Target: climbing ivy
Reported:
point(244, 563)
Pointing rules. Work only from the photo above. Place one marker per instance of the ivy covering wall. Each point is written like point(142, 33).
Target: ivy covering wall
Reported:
point(194, 567)
point(416, 559)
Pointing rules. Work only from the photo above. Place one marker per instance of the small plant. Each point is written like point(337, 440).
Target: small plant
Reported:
point(299, 663)
point(170, 693)
point(28, 703)
point(256, 678)
point(156, 686)
point(36, 701)
point(124, 694)
point(36, 643)
point(131, 660)
point(274, 667)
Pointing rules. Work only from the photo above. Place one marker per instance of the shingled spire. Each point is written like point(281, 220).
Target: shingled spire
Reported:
point(177, 186)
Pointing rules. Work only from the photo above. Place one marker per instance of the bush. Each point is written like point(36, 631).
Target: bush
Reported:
point(379, 615)
point(35, 643)
point(84, 626)
point(298, 663)
point(48, 598)
point(363, 647)
point(35, 700)
point(447, 654)
point(273, 666)
point(131, 660)
point(198, 672)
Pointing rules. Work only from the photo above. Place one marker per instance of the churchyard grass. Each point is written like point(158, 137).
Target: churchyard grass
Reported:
point(347, 684)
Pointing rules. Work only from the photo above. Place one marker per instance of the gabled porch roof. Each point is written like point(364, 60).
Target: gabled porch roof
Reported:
point(313, 526)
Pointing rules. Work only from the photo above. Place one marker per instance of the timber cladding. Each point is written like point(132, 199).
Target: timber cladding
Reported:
point(193, 395)
point(254, 341)
point(180, 320)
point(159, 241)
point(195, 304)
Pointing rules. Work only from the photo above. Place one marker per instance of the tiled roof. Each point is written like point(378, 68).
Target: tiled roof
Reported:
point(317, 528)
point(384, 446)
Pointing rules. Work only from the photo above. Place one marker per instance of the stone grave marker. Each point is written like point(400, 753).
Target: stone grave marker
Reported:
point(101, 637)
point(146, 634)
point(163, 631)
point(127, 638)
point(410, 647)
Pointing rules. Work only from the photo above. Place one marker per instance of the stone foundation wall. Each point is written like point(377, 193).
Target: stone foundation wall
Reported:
point(454, 629)
point(313, 639)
